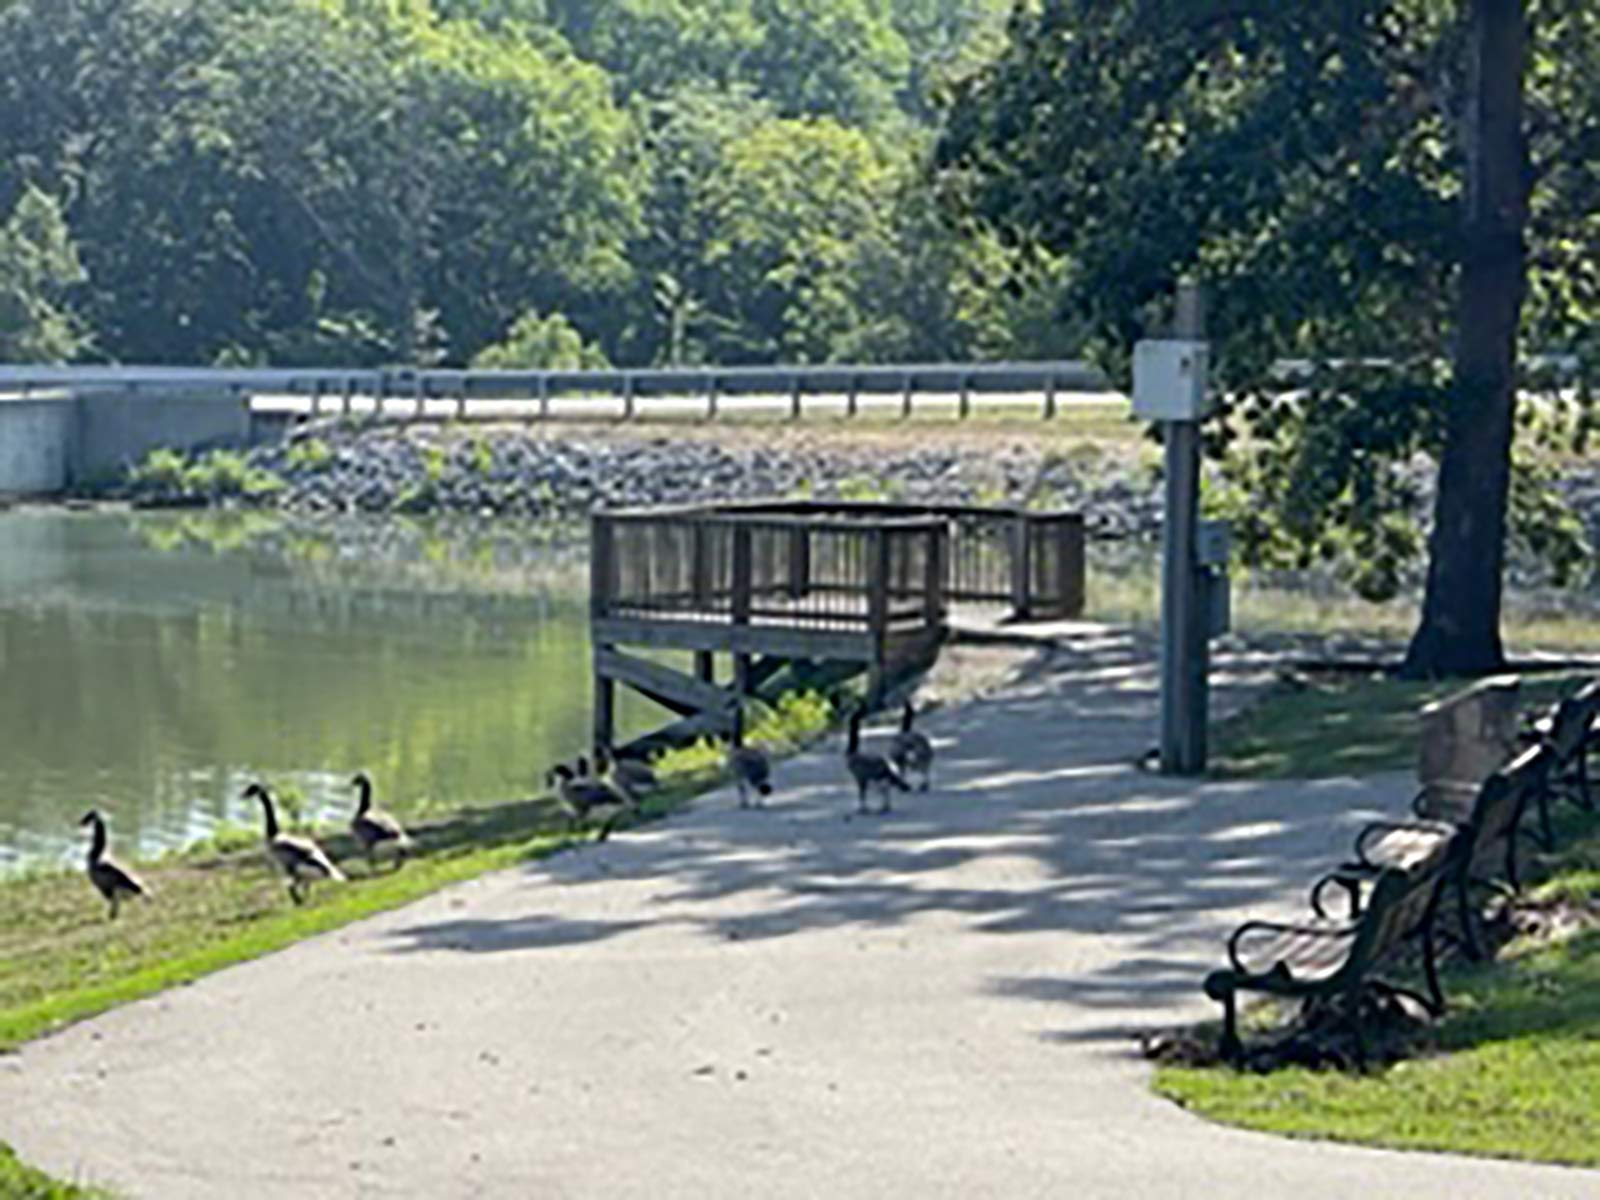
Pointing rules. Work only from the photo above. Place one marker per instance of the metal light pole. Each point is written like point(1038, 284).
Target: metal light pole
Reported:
point(1171, 387)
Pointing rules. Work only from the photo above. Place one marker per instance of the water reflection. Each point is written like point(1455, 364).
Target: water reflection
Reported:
point(154, 663)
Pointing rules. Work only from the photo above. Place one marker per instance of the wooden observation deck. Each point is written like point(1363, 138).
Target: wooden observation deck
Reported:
point(837, 588)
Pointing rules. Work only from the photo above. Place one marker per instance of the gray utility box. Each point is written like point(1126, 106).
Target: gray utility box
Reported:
point(1213, 544)
point(1170, 380)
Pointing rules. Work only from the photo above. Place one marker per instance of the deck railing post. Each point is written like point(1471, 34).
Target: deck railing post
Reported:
point(601, 548)
point(799, 562)
point(1021, 566)
point(933, 603)
point(741, 574)
point(878, 566)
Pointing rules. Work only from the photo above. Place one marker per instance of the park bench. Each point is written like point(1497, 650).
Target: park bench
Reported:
point(1478, 847)
point(1335, 961)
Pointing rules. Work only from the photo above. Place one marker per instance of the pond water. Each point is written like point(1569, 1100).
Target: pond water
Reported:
point(152, 664)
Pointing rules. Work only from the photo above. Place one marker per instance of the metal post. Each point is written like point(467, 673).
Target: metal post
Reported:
point(544, 397)
point(1183, 636)
point(711, 400)
point(905, 400)
point(853, 399)
point(794, 400)
point(1050, 400)
point(964, 409)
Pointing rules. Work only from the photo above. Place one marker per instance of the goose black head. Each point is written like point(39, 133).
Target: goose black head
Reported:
point(255, 791)
point(361, 780)
point(92, 817)
point(557, 774)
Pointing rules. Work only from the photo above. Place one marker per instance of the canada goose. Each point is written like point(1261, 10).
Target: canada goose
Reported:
point(299, 858)
point(752, 770)
point(870, 770)
point(636, 776)
point(373, 827)
point(586, 799)
point(110, 878)
point(911, 750)
point(630, 775)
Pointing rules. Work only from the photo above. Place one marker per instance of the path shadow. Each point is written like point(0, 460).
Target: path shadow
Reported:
point(1038, 823)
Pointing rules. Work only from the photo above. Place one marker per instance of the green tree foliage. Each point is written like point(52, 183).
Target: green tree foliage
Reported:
point(1307, 161)
point(38, 269)
point(542, 343)
point(371, 181)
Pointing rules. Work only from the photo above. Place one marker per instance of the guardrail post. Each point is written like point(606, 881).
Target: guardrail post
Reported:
point(627, 397)
point(544, 397)
point(421, 392)
point(1050, 399)
point(905, 400)
point(794, 399)
point(461, 400)
point(711, 400)
point(345, 393)
point(852, 400)
point(964, 405)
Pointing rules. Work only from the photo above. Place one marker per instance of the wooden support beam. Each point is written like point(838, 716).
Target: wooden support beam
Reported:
point(678, 690)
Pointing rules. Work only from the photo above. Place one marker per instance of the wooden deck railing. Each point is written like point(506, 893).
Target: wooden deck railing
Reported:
point(838, 565)
point(748, 568)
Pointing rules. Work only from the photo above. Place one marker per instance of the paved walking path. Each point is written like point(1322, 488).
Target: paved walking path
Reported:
point(788, 1003)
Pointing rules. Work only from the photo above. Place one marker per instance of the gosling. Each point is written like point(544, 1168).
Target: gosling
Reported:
point(111, 879)
point(373, 828)
point(300, 859)
point(911, 751)
point(871, 771)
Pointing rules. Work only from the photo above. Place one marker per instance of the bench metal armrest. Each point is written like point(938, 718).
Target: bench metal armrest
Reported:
point(1349, 877)
point(1344, 931)
point(1443, 829)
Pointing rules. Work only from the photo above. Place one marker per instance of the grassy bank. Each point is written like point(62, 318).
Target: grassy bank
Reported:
point(1512, 1069)
point(18, 1181)
point(62, 960)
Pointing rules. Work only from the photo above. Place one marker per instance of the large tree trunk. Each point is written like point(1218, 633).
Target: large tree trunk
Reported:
point(1460, 629)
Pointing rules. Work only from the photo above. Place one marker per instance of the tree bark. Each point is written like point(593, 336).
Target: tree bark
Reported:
point(1460, 629)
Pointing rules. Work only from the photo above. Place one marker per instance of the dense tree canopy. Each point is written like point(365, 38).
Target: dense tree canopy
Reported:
point(1311, 163)
point(380, 180)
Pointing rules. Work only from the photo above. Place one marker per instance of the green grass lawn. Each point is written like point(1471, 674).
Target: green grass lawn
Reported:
point(61, 959)
point(1514, 1071)
point(1355, 725)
